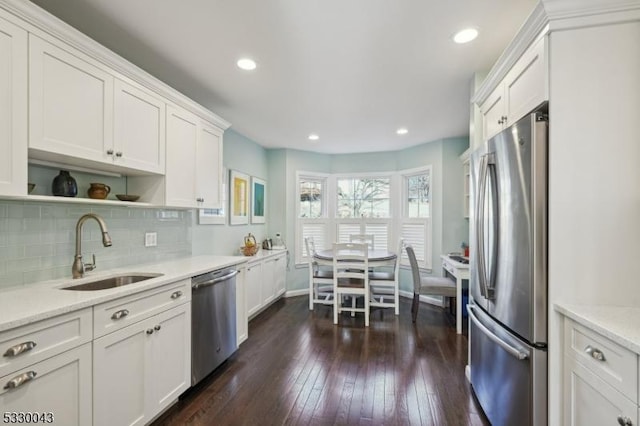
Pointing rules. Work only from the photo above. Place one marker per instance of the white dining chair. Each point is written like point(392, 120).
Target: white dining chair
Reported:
point(367, 239)
point(350, 277)
point(320, 280)
point(385, 288)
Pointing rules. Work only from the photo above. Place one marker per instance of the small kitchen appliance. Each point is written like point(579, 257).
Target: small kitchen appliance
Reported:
point(278, 242)
point(267, 244)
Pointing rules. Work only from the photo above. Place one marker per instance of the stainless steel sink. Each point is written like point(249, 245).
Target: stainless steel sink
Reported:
point(111, 282)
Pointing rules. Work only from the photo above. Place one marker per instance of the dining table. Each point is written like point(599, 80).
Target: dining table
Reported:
point(375, 257)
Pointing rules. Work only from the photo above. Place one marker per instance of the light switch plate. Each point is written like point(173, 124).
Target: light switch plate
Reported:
point(150, 239)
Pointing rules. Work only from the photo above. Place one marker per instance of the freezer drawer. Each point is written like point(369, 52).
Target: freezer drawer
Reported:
point(508, 376)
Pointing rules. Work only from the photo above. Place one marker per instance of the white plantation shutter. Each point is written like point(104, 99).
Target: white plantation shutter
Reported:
point(415, 235)
point(345, 230)
point(317, 231)
point(380, 232)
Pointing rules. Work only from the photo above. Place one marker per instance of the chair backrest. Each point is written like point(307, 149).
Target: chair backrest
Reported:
point(311, 247)
point(398, 259)
point(415, 271)
point(363, 239)
point(350, 260)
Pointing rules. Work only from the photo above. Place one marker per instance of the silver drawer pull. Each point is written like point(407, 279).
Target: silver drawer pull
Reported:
point(20, 380)
point(120, 314)
point(624, 421)
point(20, 348)
point(594, 353)
point(150, 331)
point(176, 294)
point(157, 327)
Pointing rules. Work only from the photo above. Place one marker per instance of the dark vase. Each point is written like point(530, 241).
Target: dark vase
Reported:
point(64, 185)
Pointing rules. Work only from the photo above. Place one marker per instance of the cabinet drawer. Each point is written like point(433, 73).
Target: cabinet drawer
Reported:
point(111, 316)
point(35, 342)
point(611, 362)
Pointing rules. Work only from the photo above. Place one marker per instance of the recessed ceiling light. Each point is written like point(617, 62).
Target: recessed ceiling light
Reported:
point(465, 36)
point(402, 131)
point(313, 137)
point(247, 64)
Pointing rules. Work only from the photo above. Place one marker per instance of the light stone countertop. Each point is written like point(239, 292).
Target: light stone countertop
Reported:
point(618, 323)
point(24, 305)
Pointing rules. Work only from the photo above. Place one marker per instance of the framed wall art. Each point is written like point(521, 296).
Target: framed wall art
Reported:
point(238, 198)
point(258, 200)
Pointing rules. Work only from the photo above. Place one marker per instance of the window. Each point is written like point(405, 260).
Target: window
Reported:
point(416, 219)
point(389, 206)
point(312, 213)
point(363, 197)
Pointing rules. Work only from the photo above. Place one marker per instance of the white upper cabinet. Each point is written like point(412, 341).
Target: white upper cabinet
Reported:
point(139, 129)
point(524, 88)
point(70, 105)
point(182, 140)
point(209, 166)
point(194, 161)
point(13, 109)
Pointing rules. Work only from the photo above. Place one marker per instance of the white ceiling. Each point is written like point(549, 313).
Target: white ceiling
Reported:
point(352, 71)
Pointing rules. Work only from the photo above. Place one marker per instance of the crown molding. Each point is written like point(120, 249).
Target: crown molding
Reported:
point(37, 18)
point(555, 15)
point(534, 27)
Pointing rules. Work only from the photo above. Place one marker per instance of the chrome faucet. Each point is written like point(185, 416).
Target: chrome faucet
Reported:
point(79, 267)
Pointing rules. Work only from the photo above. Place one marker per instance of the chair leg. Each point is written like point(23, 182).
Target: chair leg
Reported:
point(366, 310)
point(414, 306)
point(353, 305)
point(396, 297)
point(336, 301)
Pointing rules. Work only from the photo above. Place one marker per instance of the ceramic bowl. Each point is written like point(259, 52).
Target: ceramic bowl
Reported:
point(125, 197)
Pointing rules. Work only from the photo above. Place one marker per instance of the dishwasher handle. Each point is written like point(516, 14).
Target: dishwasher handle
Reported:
point(214, 280)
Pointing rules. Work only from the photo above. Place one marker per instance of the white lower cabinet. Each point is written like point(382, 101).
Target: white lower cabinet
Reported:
point(56, 390)
point(265, 280)
point(242, 320)
point(139, 370)
point(600, 379)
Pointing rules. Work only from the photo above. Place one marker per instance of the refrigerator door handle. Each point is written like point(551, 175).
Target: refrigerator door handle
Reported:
point(485, 291)
point(515, 352)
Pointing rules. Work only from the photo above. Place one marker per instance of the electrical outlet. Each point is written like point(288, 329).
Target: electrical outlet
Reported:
point(150, 239)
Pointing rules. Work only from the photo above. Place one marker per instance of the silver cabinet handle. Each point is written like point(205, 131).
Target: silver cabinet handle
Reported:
point(595, 353)
point(157, 327)
point(176, 294)
point(19, 348)
point(150, 331)
point(109, 152)
point(20, 380)
point(120, 314)
point(624, 421)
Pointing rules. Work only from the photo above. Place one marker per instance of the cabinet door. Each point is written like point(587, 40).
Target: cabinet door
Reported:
point(525, 84)
point(119, 371)
point(169, 356)
point(182, 137)
point(280, 275)
point(61, 386)
point(242, 325)
point(139, 129)
point(70, 104)
point(13, 109)
point(269, 281)
point(493, 113)
point(209, 167)
point(254, 288)
point(590, 400)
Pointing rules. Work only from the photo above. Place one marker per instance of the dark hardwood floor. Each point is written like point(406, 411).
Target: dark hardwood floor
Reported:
point(299, 368)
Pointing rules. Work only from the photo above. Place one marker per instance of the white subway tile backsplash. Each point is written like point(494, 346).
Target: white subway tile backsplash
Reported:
point(37, 241)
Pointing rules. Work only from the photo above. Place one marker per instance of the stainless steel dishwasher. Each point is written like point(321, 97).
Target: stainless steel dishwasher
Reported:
point(213, 321)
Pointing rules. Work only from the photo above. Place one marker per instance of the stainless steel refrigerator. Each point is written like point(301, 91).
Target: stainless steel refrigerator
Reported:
point(508, 284)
